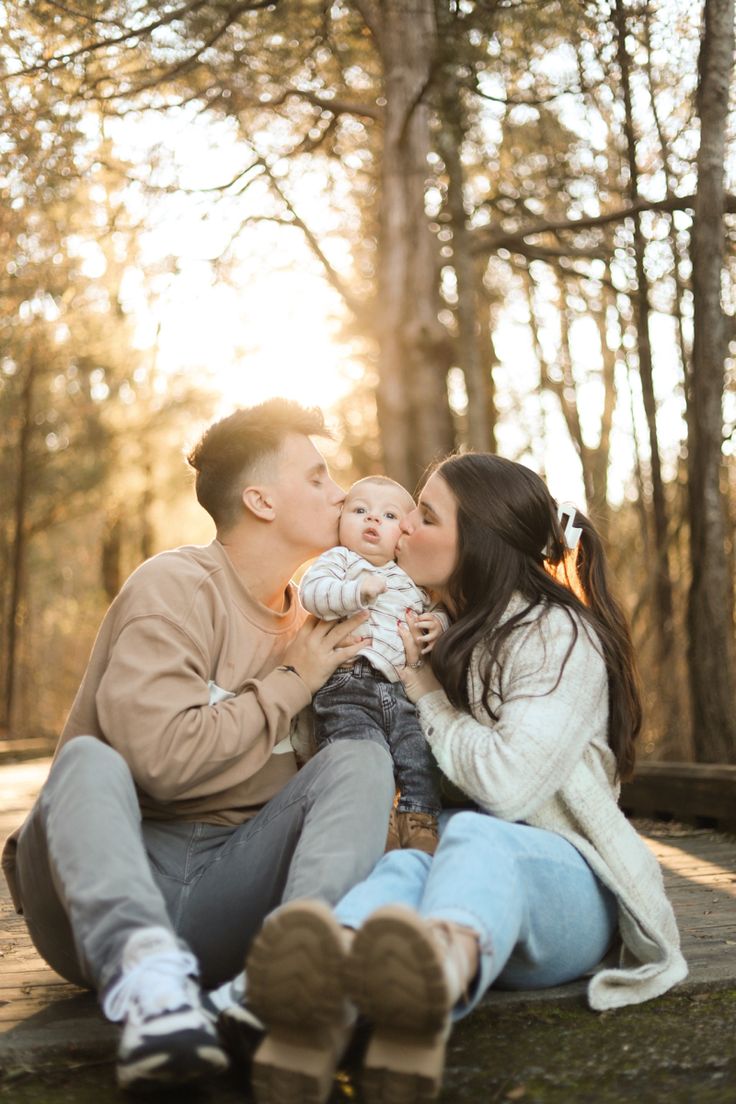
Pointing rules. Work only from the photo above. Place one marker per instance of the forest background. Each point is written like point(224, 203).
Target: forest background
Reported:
point(502, 224)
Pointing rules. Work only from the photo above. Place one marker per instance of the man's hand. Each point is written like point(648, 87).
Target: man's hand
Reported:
point(320, 647)
point(371, 585)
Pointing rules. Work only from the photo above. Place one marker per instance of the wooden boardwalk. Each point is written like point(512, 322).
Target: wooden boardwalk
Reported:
point(40, 1014)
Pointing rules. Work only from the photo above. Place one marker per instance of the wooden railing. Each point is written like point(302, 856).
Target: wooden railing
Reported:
point(703, 794)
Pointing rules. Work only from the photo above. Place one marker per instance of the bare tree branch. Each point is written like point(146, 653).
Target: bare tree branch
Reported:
point(535, 101)
point(337, 106)
point(309, 145)
point(170, 189)
point(354, 304)
point(325, 103)
point(547, 253)
point(491, 240)
point(99, 19)
point(102, 44)
point(188, 63)
point(520, 262)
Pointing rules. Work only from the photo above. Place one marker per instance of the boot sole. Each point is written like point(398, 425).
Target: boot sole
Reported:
point(295, 985)
point(395, 976)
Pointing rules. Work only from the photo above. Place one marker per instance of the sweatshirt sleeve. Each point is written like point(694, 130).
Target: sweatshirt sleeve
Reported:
point(153, 706)
point(326, 591)
point(512, 766)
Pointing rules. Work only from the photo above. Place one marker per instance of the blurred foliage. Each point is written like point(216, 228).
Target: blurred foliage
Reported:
point(526, 116)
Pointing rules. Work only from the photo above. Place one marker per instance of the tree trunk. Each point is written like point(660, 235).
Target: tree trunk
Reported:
point(488, 358)
point(710, 613)
point(147, 500)
point(111, 555)
point(19, 543)
point(600, 457)
point(663, 583)
point(415, 349)
point(5, 554)
point(641, 508)
point(671, 183)
point(563, 385)
point(449, 142)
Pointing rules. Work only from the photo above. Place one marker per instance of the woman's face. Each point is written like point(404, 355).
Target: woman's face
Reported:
point(427, 547)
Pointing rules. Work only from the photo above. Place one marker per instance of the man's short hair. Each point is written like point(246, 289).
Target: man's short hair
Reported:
point(228, 451)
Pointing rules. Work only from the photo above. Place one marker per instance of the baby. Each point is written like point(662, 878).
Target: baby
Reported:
point(365, 700)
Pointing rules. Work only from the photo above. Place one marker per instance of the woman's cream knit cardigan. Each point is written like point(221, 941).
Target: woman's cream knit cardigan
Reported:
point(546, 761)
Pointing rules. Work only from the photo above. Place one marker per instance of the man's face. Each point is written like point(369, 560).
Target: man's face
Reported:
point(306, 499)
point(370, 521)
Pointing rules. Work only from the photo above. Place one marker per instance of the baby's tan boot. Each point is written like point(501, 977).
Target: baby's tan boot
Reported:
point(419, 830)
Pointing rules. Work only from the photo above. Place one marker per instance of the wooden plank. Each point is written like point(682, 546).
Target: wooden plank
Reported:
point(16, 1012)
point(703, 772)
point(33, 976)
point(724, 879)
point(701, 847)
point(718, 876)
point(684, 790)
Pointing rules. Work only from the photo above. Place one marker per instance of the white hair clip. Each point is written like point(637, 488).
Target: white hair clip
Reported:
point(566, 512)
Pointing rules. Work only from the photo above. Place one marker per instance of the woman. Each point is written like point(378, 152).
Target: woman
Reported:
point(530, 704)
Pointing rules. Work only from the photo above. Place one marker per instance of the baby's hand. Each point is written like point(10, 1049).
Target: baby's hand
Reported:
point(430, 626)
point(370, 587)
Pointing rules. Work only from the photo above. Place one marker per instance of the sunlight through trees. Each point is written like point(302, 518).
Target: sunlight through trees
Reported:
point(500, 224)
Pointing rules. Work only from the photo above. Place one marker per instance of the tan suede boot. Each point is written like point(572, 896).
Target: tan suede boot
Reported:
point(393, 839)
point(295, 986)
point(418, 830)
point(406, 974)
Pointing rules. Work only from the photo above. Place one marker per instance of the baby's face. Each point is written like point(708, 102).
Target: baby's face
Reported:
point(370, 521)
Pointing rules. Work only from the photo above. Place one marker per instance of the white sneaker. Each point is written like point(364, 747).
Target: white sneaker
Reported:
point(168, 1037)
point(238, 1027)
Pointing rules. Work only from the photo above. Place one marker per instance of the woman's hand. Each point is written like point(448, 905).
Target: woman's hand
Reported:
point(320, 647)
point(417, 675)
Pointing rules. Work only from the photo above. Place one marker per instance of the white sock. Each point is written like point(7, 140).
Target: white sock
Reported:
point(231, 992)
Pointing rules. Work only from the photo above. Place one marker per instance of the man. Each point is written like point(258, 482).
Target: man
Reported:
point(173, 819)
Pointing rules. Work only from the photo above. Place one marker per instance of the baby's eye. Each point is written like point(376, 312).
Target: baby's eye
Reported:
point(392, 516)
point(359, 509)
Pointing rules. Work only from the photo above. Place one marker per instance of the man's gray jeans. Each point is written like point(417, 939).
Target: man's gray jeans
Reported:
point(91, 871)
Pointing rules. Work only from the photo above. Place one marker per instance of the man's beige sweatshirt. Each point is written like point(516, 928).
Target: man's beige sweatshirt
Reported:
point(182, 625)
point(183, 630)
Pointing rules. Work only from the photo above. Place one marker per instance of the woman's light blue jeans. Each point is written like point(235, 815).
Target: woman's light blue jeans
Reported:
point(541, 915)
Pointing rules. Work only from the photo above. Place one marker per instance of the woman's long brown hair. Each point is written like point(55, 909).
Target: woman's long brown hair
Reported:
point(510, 541)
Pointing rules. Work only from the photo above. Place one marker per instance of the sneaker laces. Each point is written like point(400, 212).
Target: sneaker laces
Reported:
point(160, 982)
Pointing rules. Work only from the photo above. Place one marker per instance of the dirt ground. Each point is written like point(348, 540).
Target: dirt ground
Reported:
point(677, 1050)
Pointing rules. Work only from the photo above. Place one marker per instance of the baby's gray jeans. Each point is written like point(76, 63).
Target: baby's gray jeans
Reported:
point(91, 871)
point(359, 703)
